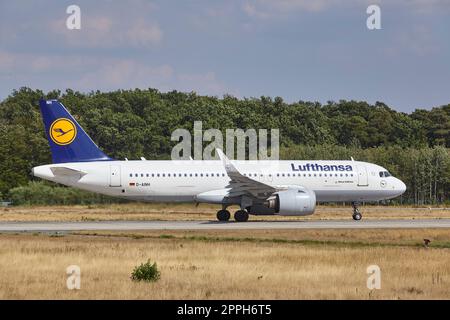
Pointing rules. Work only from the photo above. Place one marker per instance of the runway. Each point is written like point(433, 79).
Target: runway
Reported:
point(215, 225)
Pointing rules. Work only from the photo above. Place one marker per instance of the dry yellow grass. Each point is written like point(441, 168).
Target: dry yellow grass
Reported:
point(33, 266)
point(363, 237)
point(140, 211)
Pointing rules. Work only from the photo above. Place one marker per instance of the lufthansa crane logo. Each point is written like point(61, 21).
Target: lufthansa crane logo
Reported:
point(63, 131)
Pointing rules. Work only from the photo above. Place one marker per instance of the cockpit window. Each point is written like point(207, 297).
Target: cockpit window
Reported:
point(384, 174)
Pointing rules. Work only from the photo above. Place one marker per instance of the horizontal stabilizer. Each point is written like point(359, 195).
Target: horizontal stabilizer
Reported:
point(67, 172)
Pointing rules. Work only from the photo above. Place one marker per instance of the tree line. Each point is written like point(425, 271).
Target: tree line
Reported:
point(134, 123)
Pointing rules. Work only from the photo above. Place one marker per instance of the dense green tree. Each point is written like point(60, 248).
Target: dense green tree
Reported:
point(134, 123)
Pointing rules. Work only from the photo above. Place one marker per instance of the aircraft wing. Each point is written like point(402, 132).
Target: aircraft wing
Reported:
point(242, 185)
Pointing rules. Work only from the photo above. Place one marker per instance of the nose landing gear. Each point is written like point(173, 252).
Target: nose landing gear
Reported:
point(356, 214)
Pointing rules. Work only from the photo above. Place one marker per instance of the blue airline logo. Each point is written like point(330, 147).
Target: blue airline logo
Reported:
point(319, 167)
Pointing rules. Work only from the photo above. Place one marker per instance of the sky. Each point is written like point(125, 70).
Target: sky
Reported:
point(297, 49)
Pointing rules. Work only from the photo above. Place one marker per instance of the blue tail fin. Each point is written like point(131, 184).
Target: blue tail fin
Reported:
point(68, 141)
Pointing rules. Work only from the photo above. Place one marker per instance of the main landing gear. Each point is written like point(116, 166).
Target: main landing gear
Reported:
point(223, 215)
point(239, 216)
point(356, 214)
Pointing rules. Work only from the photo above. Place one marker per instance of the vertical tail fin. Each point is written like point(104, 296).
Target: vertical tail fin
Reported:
point(68, 141)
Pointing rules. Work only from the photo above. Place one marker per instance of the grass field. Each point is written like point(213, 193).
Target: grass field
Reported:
point(140, 211)
point(238, 264)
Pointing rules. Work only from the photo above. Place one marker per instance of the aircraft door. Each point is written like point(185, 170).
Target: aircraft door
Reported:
point(114, 176)
point(363, 179)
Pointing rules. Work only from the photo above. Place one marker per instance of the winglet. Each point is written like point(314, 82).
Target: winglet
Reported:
point(229, 167)
point(222, 155)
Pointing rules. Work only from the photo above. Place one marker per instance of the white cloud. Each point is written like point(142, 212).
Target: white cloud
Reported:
point(204, 83)
point(142, 33)
point(273, 8)
point(86, 73)
point(252, 11)
point(270, 8)
point(419, 41)
point(124, 73)
point(7, 60)
point(102, 31)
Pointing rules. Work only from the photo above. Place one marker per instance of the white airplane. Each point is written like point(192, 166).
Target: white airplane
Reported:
point(289, 188)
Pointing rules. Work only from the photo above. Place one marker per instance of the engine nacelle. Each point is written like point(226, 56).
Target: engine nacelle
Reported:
point(293, 202)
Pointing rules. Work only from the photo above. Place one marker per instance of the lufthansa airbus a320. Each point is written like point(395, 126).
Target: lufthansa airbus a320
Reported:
point(262, 187)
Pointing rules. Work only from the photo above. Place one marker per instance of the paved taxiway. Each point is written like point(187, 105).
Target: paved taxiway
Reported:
point(215, 225)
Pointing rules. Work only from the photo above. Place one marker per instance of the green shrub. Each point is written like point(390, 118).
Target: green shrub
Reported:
point(44, 193)
point(146, 272)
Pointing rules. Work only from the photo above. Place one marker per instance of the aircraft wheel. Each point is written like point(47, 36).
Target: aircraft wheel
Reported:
point(223, 215)
point(357, 216)
point(241, 216)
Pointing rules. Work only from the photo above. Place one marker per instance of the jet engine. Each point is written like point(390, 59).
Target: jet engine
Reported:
point(293, 202)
